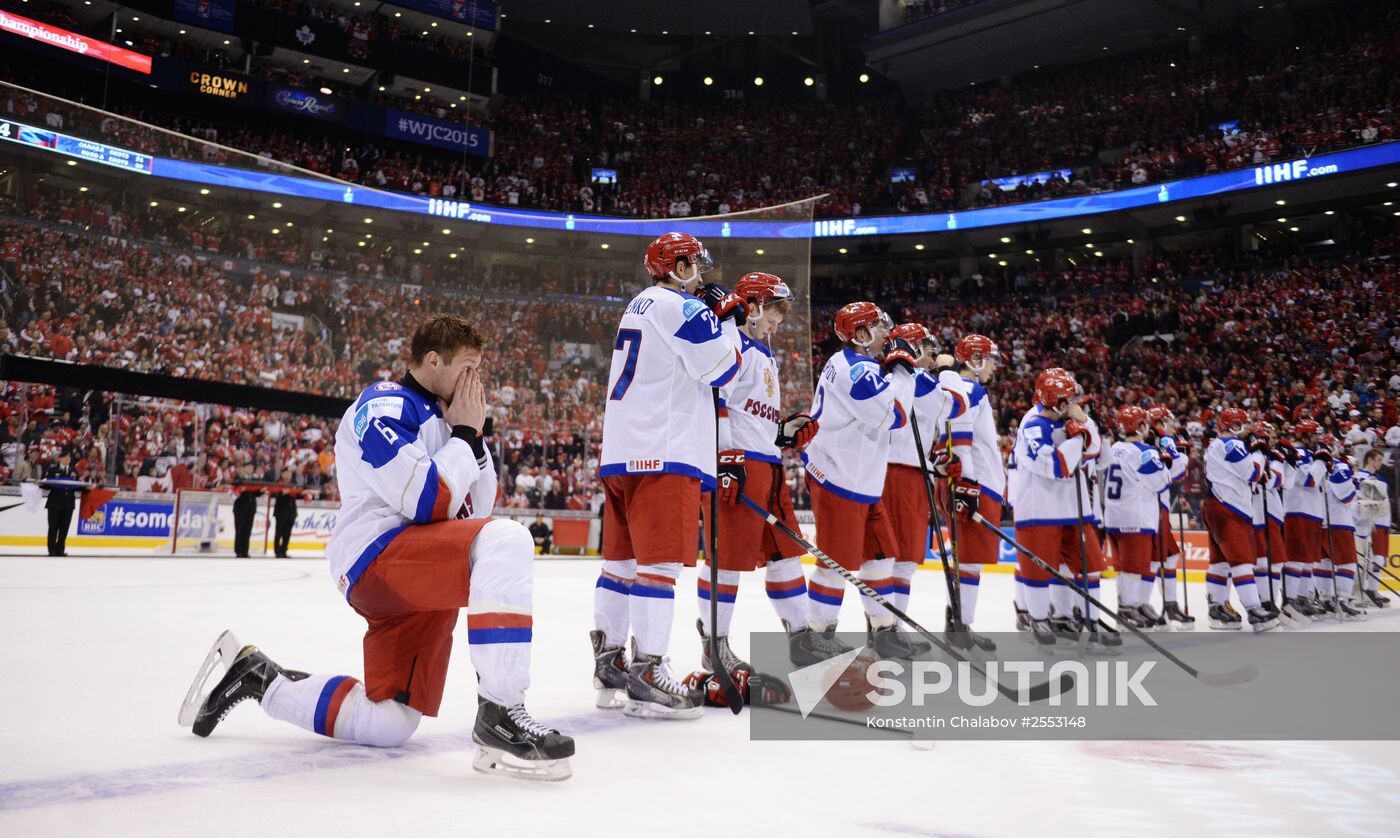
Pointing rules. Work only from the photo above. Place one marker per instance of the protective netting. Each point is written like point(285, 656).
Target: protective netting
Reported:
point(132, 247)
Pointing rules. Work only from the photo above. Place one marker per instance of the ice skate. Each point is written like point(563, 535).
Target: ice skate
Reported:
point(807, 646)
point(1176, 618)
point(727, 657)
point(1155, 620)
point(248, 674)
point(512, 744)
point(1221, 619)
point(1132, 615)
point(609, 672)
point(653, 693)
point(889, 642)
point(1377, 600)
point(1261, 619)
point(961, 636)
point(1043, 633)
point(1349, 613)
point(1023, 619)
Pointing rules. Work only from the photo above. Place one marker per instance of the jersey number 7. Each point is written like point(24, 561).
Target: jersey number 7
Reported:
point(632, 340)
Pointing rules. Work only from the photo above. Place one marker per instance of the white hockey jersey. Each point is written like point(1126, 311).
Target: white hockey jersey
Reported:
point(1231, 471)
point(751, 404)
point(1040, 472)
point(934, 405)
point(659, 417)
point(1177, 469)
point(1341, 495)
point(1302, 498)
point(1373, 504)
point(1132, 484)
point(975, 438)
point(398, 464)
point(856, 406)
point(1279, 475)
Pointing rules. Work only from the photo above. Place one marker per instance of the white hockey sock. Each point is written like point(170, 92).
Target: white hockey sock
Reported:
point(1346, 580)
point(611, 599)
point(1322, 578)
point(1019, 592)
point(876, 573)
point(1261, 578)
point(1292, 580)
point(1218, 583)
point(824, 593)
point(1036, 597)
point(1061, 597)
point(787, 591)
point(1248, 591)
point(1373, 579)
point(1129, 589)
point(336, 706)
point(499, 621)
point(1093, 592)
point(1169, 578)
point(652, 605)
point(969, 582)
point(1306, 586)
point(902, 578)
point(728, 590)
point(1146, 582)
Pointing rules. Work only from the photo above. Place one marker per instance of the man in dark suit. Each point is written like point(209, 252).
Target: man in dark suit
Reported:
point(60, 504)
point(284, 512)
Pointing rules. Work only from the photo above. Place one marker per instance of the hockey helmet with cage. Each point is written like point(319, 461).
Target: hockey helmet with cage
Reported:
point(856, 316)
point(1130, 419)
point(1231, 420)
point(663, 254)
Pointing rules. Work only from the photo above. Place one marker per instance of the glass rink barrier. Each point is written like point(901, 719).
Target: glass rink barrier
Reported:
point(126, 248)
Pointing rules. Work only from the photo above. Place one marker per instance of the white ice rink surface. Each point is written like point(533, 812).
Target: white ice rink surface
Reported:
point(97, 654)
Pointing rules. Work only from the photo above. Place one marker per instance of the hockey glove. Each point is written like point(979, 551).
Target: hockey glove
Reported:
point(1286, 453)
point(731, 475)
point(724, 303)
point(965, 497)
point(1323, 455)
point(946, 465)
point(901, 354)
point(796, 431)
point(1074, 428)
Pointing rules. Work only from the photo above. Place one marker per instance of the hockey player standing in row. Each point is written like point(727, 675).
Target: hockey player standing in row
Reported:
point(906, 492)
point(1053, 441)
point(1233, 466)
point(1302, 522)
point(1267, 513)
point(1372, 526)
point(751, 440)
point(413, 545)
point(1132, 487)
point(1174, 457)
point(980, 482)
point(1340, 542)
point(857, 404)
point(658, 454)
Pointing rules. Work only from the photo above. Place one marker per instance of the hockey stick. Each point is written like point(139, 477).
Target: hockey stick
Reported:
point(1377, 577)
point(1241, 675)
point(956, 582)
point(1331, 545)
point(1038, 692)
point(726, 681)
point(954, 598)
point(1083, 553)
point(1181, 545)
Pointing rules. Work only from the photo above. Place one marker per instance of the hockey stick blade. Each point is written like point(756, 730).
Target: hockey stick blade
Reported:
point(1231, 677)
point(1037, 692)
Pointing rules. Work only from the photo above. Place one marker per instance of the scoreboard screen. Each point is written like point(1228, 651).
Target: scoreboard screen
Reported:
point(94, 152)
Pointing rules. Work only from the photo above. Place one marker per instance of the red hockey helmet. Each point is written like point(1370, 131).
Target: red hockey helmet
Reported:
point(662, 254)
point(1329, 442)
point(1130, 419)
point(761, 288)
point(1262, 428)
point(972, 349)
point(1052, 388)
point(1230, 420)
point(854, 316)
point(1306, 428)
point(1159, 416)
point(916, 333)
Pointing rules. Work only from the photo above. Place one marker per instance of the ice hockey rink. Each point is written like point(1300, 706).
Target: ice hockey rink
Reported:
point(98, 653)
